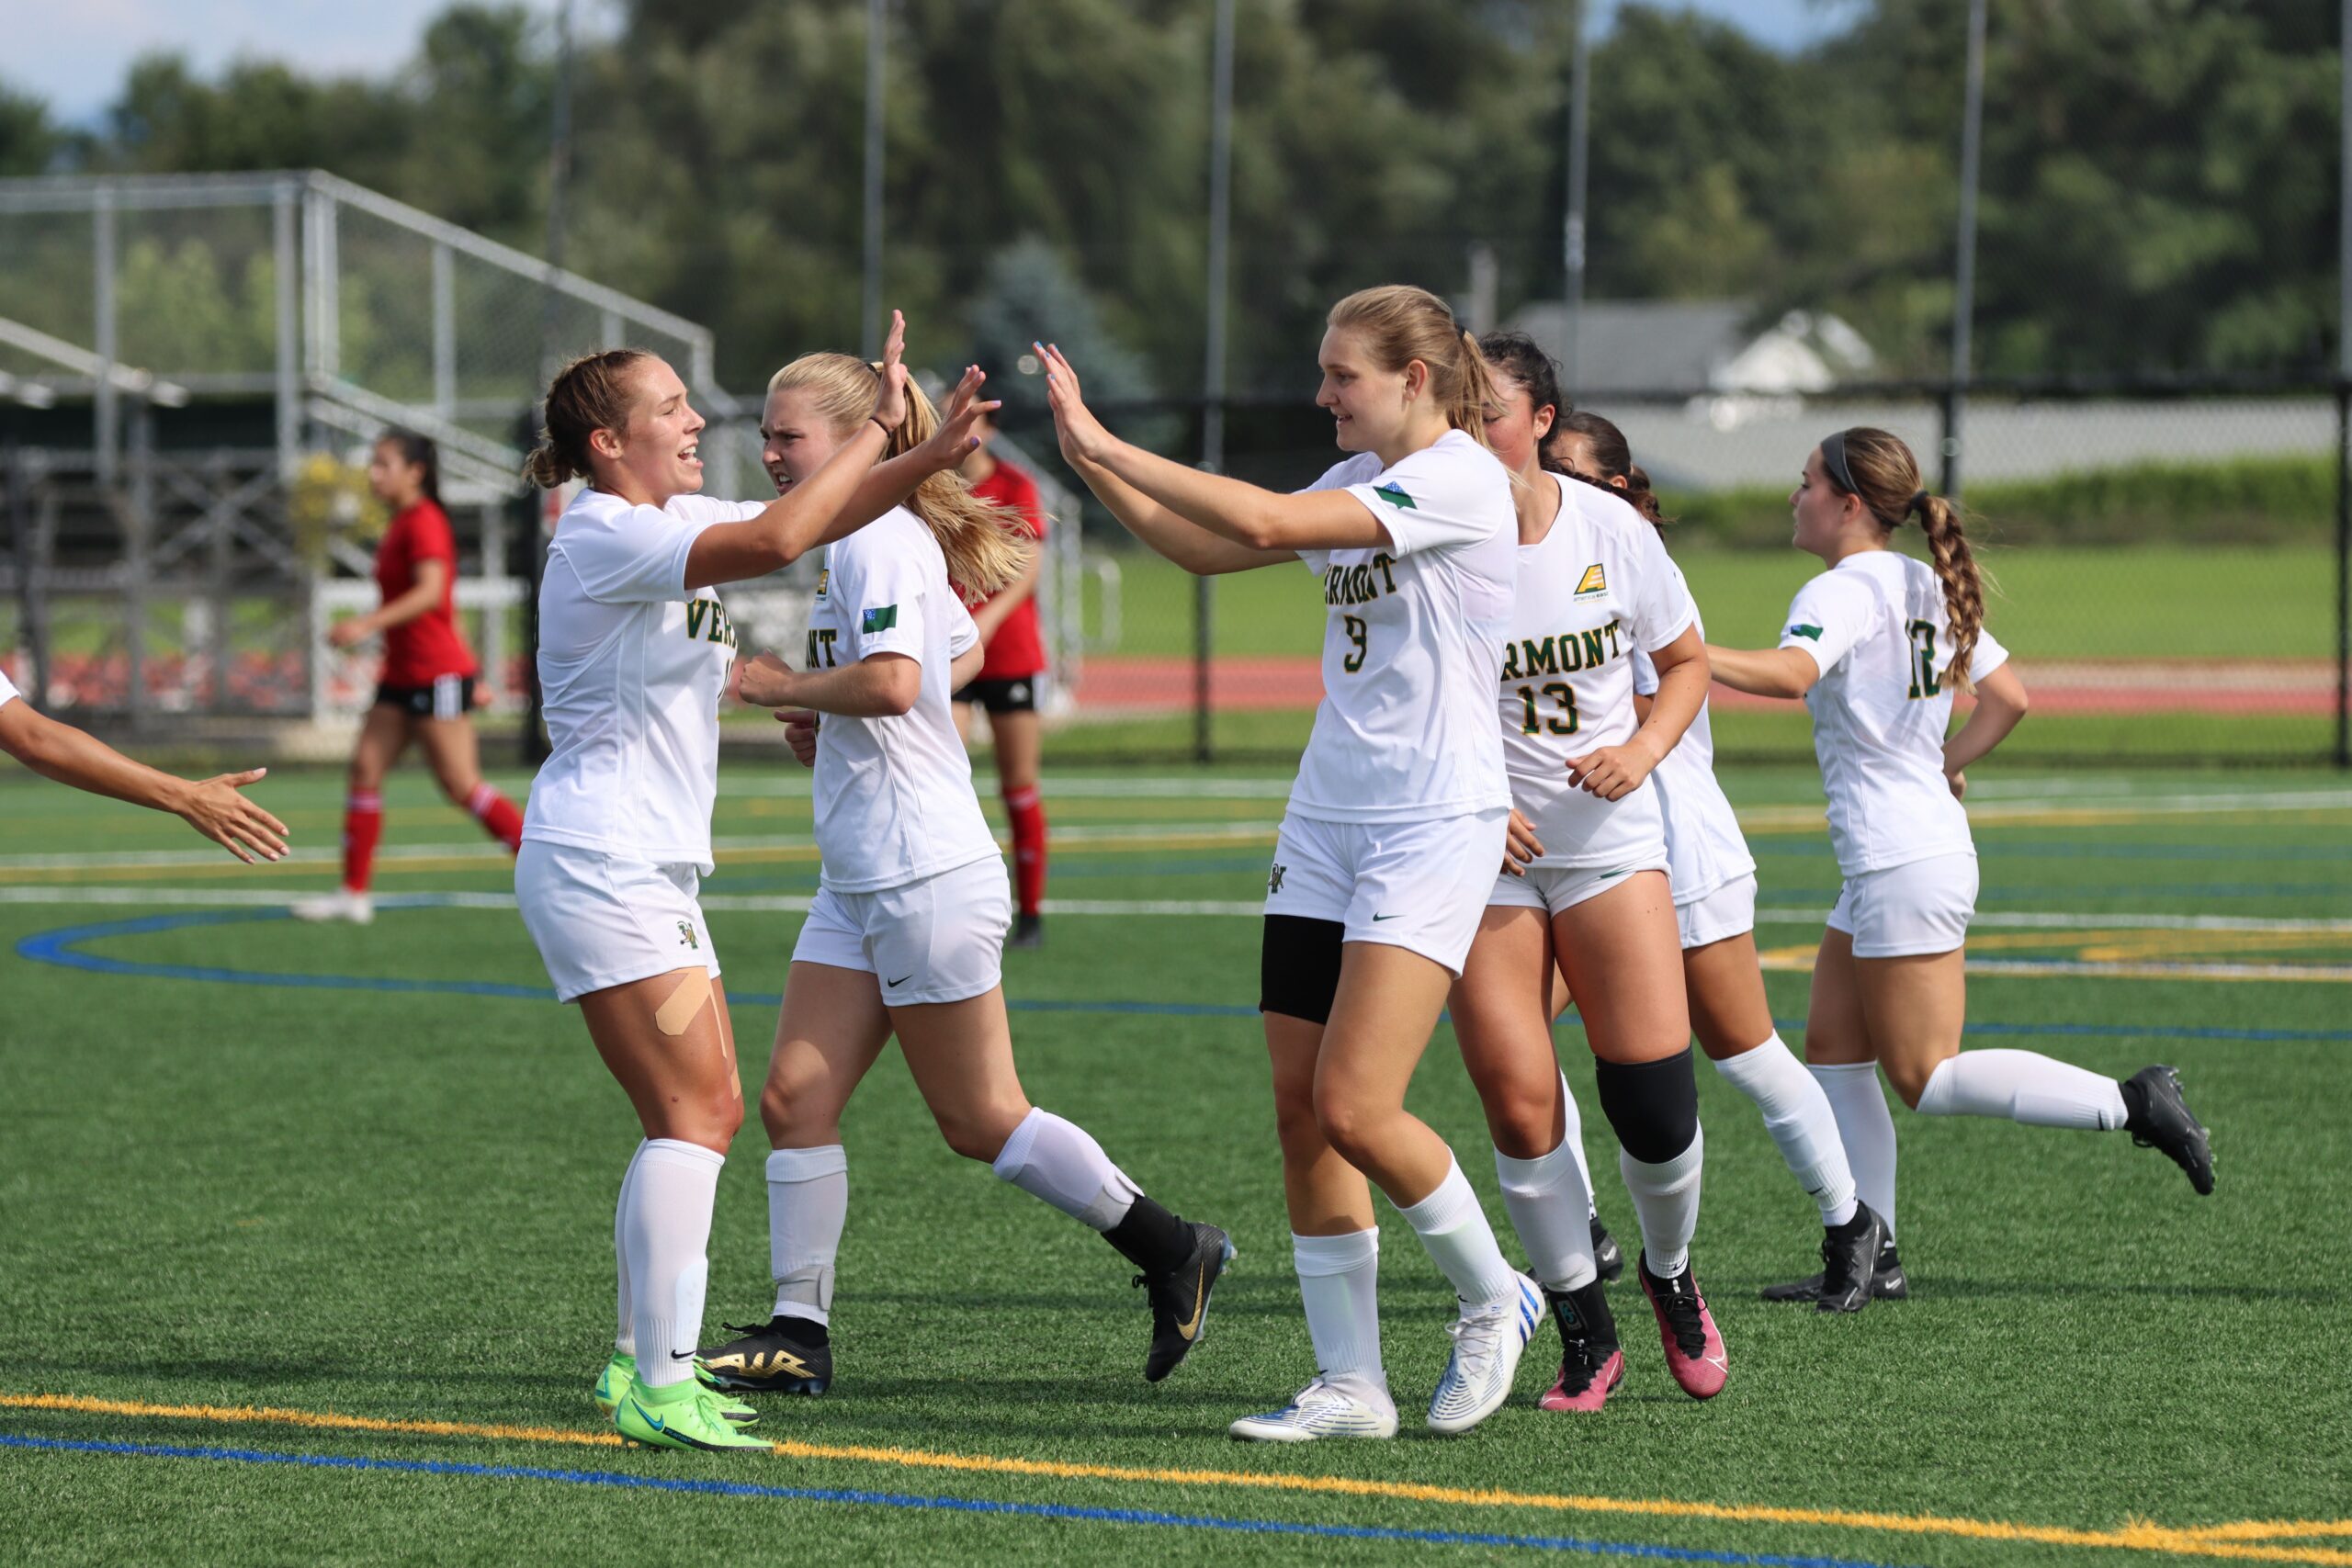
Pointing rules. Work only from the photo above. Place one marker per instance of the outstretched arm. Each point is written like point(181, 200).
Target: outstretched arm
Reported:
point(212, 806)
point(1266, 522)
point(1187, 543)
point(1764, 671)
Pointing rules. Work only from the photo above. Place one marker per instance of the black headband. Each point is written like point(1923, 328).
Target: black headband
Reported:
point(1833, 461)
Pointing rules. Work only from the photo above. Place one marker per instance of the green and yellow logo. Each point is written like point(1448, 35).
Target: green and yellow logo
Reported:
point(1594, 581)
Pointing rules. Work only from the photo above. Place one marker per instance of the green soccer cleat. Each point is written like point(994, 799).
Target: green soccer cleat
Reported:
point(620, 1375)
point(683, 1416)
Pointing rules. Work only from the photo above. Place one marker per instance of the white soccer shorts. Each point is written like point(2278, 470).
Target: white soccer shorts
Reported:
point(601, 920)
point(1720, 914)
point(1553, 888)
point(1903, 911)
point(939, 940)
point(1419, 885)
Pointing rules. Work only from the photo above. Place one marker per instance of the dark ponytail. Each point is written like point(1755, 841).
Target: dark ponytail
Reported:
point(1515, 356)
point(1875, 467)
point(590, 394)
point(417, 452)
point(1618, 474)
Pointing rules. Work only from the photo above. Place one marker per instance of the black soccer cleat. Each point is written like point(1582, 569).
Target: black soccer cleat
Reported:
point(1888, 1282)
point(1848, 1259)
point(784, 1354)
point(1028, 934)
point(1180, 1300)
point(1608, 1257)
point(2157, 1117)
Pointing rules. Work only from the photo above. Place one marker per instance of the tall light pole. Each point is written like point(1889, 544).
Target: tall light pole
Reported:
point(1572, 236)
point(876, 25)
point(1963, 266)
point(1213, 365)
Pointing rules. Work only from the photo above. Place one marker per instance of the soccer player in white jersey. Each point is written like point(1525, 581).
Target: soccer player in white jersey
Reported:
point(1584, 889)
point(1394, 828)
point(1876, 646)
point(907, 933)
point(635, 653)
point(1714, 905)
point(212, 806)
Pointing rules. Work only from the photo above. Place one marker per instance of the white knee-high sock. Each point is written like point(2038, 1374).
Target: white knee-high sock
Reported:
point(1460, 1241)
point(665, 1230)
point(1666, 1200)
point(1865, 1128)
point(1057, 1161)
point(808, 1205)
point(1551, 1208)
point(625, 1339)
point(1798, 1116)
point(1573, 1142)
point(2023, 1086)
point(1339, 1280)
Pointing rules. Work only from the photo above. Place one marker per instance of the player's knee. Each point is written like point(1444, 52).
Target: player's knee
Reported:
point(1349, 1120)
point(1522, 1121)
point(1909, 1079)
point(977, 1132)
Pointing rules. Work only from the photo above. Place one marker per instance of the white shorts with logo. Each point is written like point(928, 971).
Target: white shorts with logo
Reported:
point(1903, 911)
point(1418, 886)
point(1725, 911)
point(1553, 888)
point(939, 940)
point(601, 920)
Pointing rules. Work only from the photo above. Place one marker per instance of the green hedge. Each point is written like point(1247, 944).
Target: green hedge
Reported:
point(2244, 500)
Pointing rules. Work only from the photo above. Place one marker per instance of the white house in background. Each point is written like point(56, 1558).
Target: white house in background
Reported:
point(1689, 345)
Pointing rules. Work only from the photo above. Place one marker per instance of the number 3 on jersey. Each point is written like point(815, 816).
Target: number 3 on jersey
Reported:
point(1357, 629)
point(1923, 659)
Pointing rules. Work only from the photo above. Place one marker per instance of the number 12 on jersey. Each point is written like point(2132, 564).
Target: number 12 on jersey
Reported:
point(1923, 659)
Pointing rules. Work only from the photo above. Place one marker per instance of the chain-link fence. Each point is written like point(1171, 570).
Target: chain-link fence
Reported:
point(2168, 566)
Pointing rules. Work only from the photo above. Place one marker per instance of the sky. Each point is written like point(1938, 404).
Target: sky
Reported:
point(76, 60)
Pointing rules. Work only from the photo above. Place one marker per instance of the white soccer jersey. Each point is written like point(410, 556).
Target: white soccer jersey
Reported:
point(8, 692)
point(1705, 848)
point(632, 666)
point(1592, 592)
point(1411, 641)
point(1875, 624)
point(894, 796)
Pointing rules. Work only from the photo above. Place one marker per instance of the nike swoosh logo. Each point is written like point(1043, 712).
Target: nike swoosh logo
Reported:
point(1718, 1363)
point(682, 1355)
point(903, 978)
point(1200, 1305)
point(1377, 919)
point(650, 1419)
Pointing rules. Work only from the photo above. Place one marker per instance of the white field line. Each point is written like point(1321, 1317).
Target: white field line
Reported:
point(1114, 908)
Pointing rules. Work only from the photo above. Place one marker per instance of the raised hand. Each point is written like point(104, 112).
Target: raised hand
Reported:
point(1082, 437)
point(954, 441)
point(890, 403)
point(214, 809)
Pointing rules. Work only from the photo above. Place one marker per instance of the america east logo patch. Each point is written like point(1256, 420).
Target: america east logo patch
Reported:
point(1594, 581)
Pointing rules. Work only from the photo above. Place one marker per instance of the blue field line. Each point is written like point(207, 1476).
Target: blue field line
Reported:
point(933, 1503)
point(62, 947)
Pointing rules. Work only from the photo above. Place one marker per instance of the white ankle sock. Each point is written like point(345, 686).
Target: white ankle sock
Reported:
point(1057, 1161)
point(1666, 1200)
point(808, 1205)
point(1798, 1116)
point(625, 1339)
point(1339, 1280)
point(1865, 1128)
point(1551, 1208)
point(2026, 1087)
point(666, 1227)
point(1461, 1242)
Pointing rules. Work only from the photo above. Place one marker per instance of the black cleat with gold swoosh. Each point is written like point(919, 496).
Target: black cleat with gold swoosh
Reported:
point(785, 1355)
point(1180, 1299)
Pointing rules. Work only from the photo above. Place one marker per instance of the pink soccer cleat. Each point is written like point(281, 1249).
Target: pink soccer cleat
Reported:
point(1591, 1365)
point(1694, 1351)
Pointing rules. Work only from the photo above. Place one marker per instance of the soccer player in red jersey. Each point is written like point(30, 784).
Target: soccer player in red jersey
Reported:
point(427, 691)
point(1007, 684)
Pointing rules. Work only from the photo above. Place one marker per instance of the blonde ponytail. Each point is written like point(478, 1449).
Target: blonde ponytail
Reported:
point(1401, 323)
point(985, 546)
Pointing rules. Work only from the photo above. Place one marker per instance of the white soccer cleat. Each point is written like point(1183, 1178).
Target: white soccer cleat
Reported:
point(1321, 1409)
point(342, 903)
point(1488, 1342)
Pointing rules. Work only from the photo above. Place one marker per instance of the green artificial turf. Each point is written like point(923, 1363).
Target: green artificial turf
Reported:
point(399, 1205)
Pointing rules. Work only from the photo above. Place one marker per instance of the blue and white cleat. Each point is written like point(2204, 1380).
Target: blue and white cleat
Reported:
point(1488, 1341)
point(1322, 1409)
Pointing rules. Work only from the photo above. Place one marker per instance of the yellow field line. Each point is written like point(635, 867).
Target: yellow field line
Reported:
point(2270, 1529)
point(2137, 1536)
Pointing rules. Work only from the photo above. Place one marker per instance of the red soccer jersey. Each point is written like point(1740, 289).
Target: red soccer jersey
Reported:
point(430, 646)
point(1018, 649)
